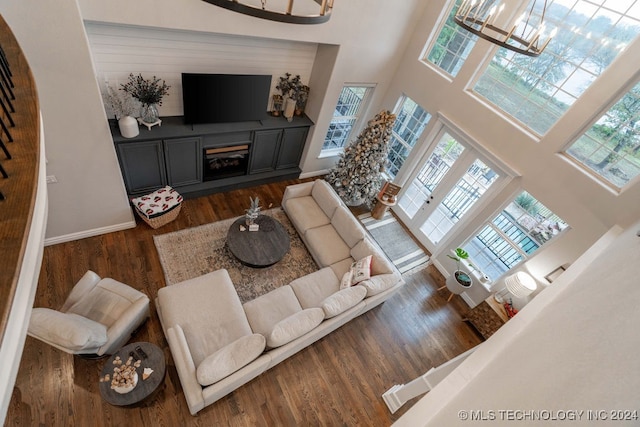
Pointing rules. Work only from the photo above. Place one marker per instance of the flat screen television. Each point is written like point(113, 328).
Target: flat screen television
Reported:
point(222, 98)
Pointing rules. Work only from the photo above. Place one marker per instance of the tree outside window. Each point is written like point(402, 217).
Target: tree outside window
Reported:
point(452, 46)
point(611, 147)
point(538, 91)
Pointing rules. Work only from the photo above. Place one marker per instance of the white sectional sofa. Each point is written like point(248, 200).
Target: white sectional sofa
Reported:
point(219, 344)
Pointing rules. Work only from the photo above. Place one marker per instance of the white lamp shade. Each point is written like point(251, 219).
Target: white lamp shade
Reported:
point(520, 284)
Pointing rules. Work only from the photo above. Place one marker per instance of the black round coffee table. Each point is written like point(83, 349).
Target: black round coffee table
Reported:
point(258, 249)
point(150, 356)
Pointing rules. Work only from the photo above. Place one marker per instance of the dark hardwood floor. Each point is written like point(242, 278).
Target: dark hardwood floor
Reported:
point(339, 380)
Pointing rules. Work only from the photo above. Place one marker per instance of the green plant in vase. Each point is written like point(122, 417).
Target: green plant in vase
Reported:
point(461, 276)
point(149, 92)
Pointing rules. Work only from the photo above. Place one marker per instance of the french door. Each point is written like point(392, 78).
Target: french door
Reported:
point(446, 187)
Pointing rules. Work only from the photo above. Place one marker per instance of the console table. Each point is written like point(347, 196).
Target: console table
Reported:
point(185, 156)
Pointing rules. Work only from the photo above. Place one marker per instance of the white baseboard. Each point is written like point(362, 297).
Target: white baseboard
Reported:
point(90, 233)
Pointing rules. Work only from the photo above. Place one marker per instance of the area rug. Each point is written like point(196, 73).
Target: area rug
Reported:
point(199, 250)
point(396, 242)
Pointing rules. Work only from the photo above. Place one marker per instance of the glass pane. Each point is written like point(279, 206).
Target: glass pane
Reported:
point(338, 133)
point(452, 46)
point(537, 91)
point(491, 253)
point(443, 157)
point(611, 148)
point(473, 184)
point(345, 116)
point(410, 122)
point(349, 101)
point(513, 235)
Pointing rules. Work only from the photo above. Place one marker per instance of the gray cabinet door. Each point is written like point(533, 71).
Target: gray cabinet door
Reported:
point(183, 157)
point(142, 166)
point(264, 151)
point(291, 147)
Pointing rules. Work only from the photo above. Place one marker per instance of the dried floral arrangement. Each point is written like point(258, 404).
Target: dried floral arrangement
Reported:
point(147, 91)
point(121, 104)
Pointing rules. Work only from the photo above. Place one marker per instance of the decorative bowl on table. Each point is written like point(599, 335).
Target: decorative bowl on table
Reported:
point(126, 388)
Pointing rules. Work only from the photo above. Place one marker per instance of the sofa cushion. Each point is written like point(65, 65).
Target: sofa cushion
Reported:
point(380, 283)
point(67, 330)
point(326, 245)
point(325, 196)
point(305, 213)
point(264, 312)
point(106, 302)
point(379, 264)
point(347, 226)
point(343, 300)
point(341, 267)
point(230, 358)
point(294, 326)
point(313, 288)
point(208, 310)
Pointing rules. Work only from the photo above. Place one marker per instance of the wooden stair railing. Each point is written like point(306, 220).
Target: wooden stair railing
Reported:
point(19, 165)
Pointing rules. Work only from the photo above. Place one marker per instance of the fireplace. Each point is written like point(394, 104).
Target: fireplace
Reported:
point(225, 162)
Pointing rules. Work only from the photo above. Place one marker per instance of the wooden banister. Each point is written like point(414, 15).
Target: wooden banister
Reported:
point(20, 185)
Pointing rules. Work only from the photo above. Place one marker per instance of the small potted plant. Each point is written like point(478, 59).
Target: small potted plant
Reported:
point(252, 213)
point(149, 92)
point(461, 276)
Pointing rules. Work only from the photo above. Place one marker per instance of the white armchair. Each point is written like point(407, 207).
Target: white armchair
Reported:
point(97, 318)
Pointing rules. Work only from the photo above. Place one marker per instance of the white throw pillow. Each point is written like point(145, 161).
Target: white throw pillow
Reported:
point(295, 326)
point(230, 358)
point(361, 270)
point(67, 330)
point(343, 300)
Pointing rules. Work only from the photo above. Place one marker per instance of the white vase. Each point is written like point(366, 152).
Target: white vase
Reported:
point(128, 127)
point(289, 108)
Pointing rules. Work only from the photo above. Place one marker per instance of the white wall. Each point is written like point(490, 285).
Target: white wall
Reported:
point(119, 50)
point(89, 197)
point(574, 347)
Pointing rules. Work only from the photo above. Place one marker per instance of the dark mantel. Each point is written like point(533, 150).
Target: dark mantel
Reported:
point(175, 127)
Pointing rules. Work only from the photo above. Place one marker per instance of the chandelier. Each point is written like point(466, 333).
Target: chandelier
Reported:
point(525, 36)
point(302, 12)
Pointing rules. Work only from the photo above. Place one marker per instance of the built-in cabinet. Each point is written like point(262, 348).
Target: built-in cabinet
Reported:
point(142, 166)
point(182, 160)
point(277, 149)
point(264, 153)
point(201, 159)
